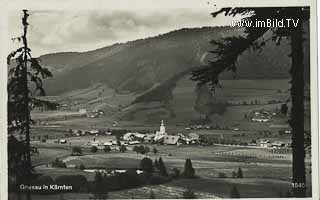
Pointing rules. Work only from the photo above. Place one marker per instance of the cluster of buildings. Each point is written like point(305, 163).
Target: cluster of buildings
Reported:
point(266, 143)
point(162, 137)
point(261, 116)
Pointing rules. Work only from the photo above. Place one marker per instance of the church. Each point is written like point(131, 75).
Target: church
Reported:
point(161, 133)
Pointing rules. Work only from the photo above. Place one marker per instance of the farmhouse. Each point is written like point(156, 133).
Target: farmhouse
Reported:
point(278, 144)
point(149, 137)
point(171, 139)
point(82, 111)
point(107, 143)
point(192, 138)
point(134, 142)
point(263, 143)
point(133, 136)
point(62, 141)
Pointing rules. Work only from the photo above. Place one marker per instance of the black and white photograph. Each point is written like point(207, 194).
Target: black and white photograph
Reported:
point(201, 101)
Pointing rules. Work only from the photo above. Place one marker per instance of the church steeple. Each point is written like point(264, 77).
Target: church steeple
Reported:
point(161, 133)
point(162, 128)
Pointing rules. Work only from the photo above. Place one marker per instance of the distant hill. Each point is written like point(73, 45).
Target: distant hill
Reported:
point(143, 65)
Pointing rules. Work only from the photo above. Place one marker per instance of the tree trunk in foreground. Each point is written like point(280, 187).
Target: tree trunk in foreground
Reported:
point(297, 113)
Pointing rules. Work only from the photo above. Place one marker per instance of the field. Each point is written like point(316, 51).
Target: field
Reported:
point(266, 174)
point(263, 171)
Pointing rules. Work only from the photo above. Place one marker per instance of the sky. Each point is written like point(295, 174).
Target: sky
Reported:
point(53, 31)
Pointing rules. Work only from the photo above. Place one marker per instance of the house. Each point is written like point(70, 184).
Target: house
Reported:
point(171, 139)
point(109, 143)
point(278, 144)
point(265, 143)
point(133, 142)
point(192, 138)
point(62, 141)
point(133, 136)
point(287, 131)
point(82, 111)
point(108, 133)
point(92, 115)
point(95, 143)
point(94, 132)
point(260, 119)
point(149, 137)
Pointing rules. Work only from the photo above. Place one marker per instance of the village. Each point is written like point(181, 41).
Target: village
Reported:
point(161, 137)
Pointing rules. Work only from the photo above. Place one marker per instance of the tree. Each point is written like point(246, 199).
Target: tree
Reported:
point(146, 149)
point(136, 149)
point(94, 149)
point(228, 50)
point(188, 194)
point(234, 192)
point(284, 109)
point(156, 164)
point(123, 148)
point(76, 150)
point(162, 168)
point(154, 150)
point(99, 190)
point(239, 173)
point(203, 104)
point(82, 167)
point(146, 165)
point(24, 86)
point(189, 171)
point(58, 163)
point(106, 149)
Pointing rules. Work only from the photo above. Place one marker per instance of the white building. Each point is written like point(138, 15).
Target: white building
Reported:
point(161, 133)
point(133, 136)
point(82, 111)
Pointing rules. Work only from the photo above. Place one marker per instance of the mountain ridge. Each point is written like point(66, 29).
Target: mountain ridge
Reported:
point(136, 66)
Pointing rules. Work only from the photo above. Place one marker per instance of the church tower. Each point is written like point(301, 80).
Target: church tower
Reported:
point(162, 128)
point(161, 133)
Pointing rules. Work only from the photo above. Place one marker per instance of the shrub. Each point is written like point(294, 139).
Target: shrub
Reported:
point(81, 167)
point(146, 149)
point(76, 151)
point(222, 175)
point(136, 149)
point(106, 149)
point(94, 149)
point(154, 150)
point(58, 163)
point(146, 165)
point(188, 194)
point(123, 148)
point(234, 174)
point(175, 173)
point(43, 140)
